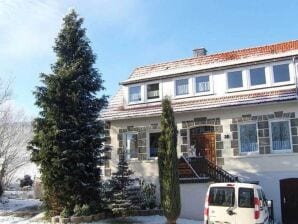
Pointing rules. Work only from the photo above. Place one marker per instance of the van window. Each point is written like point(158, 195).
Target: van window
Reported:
point(246, 198)
point(222, 196)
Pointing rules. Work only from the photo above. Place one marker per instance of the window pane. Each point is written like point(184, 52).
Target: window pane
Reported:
point(248, 138)
point(281, 73)
point(154, 139)
point(135, 94)
point(280, 135)
point(246, 198)
point(235, 79)
point(153, 91)
point(257, 76)
point(221, 196)
point(202, 84)
point(182, 87)
point(131, 145)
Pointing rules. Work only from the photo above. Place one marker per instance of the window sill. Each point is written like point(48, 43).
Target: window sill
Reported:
point(262, 155)
point(151, 160)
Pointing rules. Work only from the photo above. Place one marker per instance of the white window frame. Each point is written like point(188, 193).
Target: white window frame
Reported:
point(125, 144)
point(148, 143)
point(270, 135)
point(190, 91)
point(244, 80)
point(142, 94)
point(267, 82)
point(291, 74)
point(239, 139)
point(194, 84)
point(160, 91)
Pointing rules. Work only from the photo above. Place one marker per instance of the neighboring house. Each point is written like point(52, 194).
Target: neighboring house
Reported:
point(238, 109)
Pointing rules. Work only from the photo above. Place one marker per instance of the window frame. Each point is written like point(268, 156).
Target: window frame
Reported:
point(244, 79)
point(211, 90)
point(291, 81)
point(271, 140)
point(141, 93)
point(125, 144)
point(189, 89)
point(159, 91)
point(267, 82)
point(239, 139)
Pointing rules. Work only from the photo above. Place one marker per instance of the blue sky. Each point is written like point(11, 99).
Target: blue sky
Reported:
point(130, 33)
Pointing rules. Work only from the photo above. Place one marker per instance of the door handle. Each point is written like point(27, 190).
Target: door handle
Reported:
point(230, 212)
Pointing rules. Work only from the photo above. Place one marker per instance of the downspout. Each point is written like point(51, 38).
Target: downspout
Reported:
point(295, 73)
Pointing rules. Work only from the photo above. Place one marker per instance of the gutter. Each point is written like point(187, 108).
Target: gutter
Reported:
point(295, 73)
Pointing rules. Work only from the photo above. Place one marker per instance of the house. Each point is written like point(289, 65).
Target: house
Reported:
point(238, 109)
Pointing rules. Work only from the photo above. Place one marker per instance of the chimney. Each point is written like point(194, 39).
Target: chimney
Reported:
point(199, 52)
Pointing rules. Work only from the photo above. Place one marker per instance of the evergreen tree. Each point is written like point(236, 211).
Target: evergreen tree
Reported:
point(168, 164)
point(67, 142)
point(124, 189)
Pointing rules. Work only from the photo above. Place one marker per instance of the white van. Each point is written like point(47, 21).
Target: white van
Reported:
point(235, 203)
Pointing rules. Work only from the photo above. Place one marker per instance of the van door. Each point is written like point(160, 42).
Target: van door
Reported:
point(245, 211)
point(221, 205)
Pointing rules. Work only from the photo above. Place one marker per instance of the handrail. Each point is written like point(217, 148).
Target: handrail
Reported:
point(202, 165)
point(191, 167)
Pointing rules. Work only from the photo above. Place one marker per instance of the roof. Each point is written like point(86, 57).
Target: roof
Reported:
point(213, 60)
point(116, 110)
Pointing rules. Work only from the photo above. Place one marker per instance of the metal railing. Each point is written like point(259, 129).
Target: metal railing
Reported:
point(205, 168)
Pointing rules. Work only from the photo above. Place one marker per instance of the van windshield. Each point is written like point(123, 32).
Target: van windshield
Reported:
point(222, 196)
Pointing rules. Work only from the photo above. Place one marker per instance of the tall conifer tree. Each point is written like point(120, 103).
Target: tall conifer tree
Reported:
point(67, 142)
point(168, 164)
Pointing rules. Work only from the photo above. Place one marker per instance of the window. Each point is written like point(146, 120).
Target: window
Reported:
point(257, 76)
point(181, 87)
point(280, 136)
point(222, 196)
point(153, 91)
point(281, 73)
point(131, 145)
point(202, 84)
point(235, 79)
point(135, 94)
point(248, 138)
point(246, 198)
point(154, 139)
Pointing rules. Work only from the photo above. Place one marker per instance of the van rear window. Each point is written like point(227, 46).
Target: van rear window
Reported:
point(246, 198)
point(222, 196)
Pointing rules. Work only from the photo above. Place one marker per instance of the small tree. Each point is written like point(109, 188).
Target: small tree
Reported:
point(168, 164)
point(124, 190)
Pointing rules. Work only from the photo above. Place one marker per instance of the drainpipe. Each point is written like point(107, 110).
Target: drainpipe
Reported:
point(295, 71)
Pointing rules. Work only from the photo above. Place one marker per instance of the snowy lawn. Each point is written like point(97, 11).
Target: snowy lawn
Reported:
point(131, 220)
point(13, 205)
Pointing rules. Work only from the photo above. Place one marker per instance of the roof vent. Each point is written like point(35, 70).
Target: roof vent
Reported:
point(199, 52)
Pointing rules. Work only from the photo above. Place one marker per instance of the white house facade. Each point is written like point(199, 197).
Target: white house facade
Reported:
point(237, 109)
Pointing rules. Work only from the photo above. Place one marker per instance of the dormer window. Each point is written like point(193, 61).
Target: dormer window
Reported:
point(153, 91)
point(202, 84)
point(235, 80)
point(134, 94)
point(182, 87)
point(281, 73)
point(257, 76)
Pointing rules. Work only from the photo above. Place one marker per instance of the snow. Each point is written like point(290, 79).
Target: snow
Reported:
point(17, 204)
point(13, 206)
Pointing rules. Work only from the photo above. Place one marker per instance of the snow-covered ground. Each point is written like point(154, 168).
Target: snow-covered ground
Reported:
point(10, 210)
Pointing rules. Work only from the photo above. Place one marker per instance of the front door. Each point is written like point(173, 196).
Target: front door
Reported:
point(205, 145)
point(289, 200)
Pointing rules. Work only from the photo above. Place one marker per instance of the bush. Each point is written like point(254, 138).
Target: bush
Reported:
point(66, 213)
point(148, 195)
point(26, 181)
point(84, 210)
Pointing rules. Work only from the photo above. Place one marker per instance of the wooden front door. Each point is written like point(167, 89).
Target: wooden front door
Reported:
point(205, 145)
point(289, 200)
